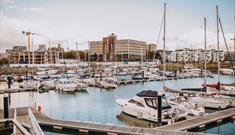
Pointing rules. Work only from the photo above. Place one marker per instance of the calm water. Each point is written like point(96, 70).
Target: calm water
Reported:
point(99, 105)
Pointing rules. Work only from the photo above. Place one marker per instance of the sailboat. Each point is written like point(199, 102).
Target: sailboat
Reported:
point(223, 90)
point(202, 96)
point(148, 105)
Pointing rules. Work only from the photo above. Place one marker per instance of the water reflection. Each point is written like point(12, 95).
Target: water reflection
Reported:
point(129, 120)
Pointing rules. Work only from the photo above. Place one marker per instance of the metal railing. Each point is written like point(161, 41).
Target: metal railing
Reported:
point(14, 127)
point(17, 124)
point(37, 129)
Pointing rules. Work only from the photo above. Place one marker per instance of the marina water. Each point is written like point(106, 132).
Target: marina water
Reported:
point(99, 105)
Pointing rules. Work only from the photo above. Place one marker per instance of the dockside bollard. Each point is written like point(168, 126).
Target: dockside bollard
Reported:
point(6, 108)
point(159, 110)
point(9, 82)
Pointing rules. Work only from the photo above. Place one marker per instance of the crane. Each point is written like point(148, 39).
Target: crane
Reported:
point(28, 34)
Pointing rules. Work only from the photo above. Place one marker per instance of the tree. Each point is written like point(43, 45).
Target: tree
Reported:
point(82, 55)
point(158, 56)
point(151, 54)
point(4, 61)
point(70, 54)
point(95, 57)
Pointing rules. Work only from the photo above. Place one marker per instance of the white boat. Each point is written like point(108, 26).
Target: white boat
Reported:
point(71, 72)
point(228, 88)
point(81, 86)
point(66, 85)
point(183, 103)
point(107, 85)
point(48, 85)
point(46, 72)
point(29, 84)
point(210, 102)
point(89, 81)
point(145, 106)
point(111, 79)
point(227, 71)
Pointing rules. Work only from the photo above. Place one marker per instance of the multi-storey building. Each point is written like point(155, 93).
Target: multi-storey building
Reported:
point(113, 49)
point(40, 56)
point(187, 55)
point(151, 47)
point(215, 53)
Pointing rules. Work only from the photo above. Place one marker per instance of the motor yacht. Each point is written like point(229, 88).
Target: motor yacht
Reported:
point(145, 106)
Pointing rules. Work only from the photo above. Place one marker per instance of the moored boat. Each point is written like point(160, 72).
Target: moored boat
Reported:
point(145, 106)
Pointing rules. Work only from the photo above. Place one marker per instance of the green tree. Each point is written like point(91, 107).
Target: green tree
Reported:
point(73, 54)
point(4, 61)
point(70, 54)
point(82, 55)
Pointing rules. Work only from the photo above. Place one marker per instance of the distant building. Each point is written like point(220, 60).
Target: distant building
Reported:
point(20, 55)
point(108, 47)
point(187, 55)
point(230, 58)
point(151, 47)
point(42, 48)
point(113, 49)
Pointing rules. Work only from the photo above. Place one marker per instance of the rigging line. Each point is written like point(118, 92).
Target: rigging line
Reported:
point(231, 61)
point(159, 34)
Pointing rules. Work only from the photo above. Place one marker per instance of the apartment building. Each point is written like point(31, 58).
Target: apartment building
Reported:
point(113, 49)
point(19, 54)
point(187, 55)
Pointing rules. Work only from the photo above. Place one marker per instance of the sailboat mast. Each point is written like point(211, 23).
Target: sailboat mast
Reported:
point(205, 72)
point(217, 32)
point(89, 48)
point(164, 45)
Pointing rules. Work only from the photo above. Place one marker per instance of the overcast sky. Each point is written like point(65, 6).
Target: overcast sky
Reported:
point(68, 21)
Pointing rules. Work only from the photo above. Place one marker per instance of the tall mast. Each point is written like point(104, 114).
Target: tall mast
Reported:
point(89, 48)
point(234, 35)
point(217, 32)
point(50, 52)
point(164, 45)
point(77, 53)
point(205, 72)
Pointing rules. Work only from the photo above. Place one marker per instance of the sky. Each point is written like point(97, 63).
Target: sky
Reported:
point(70, 21)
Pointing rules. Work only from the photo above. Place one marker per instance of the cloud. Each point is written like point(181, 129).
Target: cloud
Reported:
point(7, 2)
point(25, 9)
point(195, 39)
point(11, 33)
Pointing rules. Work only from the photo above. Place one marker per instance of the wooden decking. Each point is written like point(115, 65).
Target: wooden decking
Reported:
point(199, 121)
point(82, 126)
point(21, 118)
point(110, 129)
point(15, 90)
point(178, 128)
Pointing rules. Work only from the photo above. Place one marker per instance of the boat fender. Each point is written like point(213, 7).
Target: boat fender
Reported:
point(233, 117)
point(39, 108)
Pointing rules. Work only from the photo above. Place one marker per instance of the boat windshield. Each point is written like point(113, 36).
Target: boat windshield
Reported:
point(153, 103)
